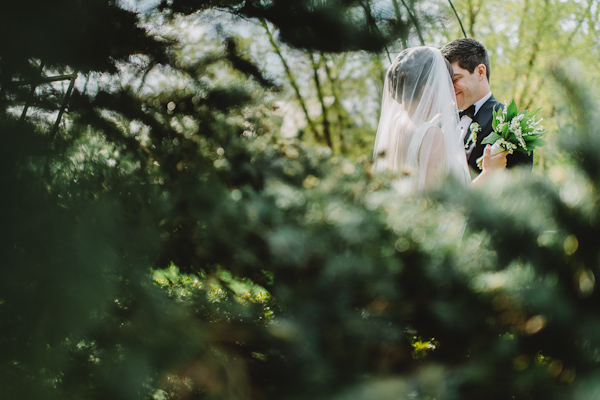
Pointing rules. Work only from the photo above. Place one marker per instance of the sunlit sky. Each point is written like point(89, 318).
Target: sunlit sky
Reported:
point(139, 5)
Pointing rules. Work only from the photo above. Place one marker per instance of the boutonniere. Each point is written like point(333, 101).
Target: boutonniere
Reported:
point(474, 128)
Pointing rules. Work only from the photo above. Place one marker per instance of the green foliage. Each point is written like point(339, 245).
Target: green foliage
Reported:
point(165, 243)
point(516, 130)
point(347, 25)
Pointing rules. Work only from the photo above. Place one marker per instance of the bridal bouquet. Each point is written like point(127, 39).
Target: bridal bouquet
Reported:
point(514, 130)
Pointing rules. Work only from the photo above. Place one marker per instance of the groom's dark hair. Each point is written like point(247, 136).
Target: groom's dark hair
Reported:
point(469, 53)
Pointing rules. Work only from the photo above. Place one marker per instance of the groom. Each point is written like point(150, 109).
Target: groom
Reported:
point(471, 67)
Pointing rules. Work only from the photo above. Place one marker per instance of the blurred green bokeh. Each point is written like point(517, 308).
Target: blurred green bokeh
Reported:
point(167, 244)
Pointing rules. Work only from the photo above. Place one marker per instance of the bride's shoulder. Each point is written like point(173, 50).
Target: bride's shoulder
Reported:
point(434, 131)
point(436, 120)
point(429, 128)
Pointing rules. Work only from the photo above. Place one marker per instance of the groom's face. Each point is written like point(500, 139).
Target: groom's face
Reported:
point(466, 86)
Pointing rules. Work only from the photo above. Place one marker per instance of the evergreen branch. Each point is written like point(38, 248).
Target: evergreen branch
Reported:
point(415, 23)
point(399, 16)
point(367, 9)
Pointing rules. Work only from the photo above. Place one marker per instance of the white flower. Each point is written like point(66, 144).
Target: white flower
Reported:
point(519, 136)
point(516, 121)
point(535, 125)
point(500, 127)
point(475, 128)
point(515, 127)
point(506, 145)
point(509, 133)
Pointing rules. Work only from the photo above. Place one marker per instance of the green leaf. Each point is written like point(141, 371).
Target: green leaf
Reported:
point(532, 113)
point(537, 135)
point(495, 113)
point(511, 111)
point(491, 138)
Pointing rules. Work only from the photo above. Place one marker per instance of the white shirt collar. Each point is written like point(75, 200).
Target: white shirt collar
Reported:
point(480, 102)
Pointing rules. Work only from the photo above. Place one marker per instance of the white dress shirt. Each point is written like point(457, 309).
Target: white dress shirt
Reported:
point(466, 121)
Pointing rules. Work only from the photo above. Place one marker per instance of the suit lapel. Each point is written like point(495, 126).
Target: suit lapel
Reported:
point(484, 115)
point(484, 119)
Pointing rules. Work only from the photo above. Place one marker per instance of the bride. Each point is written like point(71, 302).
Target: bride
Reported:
point(418, 132)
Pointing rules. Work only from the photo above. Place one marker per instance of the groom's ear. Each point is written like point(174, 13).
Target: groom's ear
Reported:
point(481, 71)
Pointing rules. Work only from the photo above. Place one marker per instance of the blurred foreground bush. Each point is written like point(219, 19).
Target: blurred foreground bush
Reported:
point(165, 244)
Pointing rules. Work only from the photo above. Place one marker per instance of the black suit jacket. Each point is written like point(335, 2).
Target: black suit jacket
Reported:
point(484, 118)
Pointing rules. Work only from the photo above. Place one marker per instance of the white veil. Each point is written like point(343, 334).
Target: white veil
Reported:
point(418, 128)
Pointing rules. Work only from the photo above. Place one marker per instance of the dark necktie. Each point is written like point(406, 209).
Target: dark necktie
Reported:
point(470, 112)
